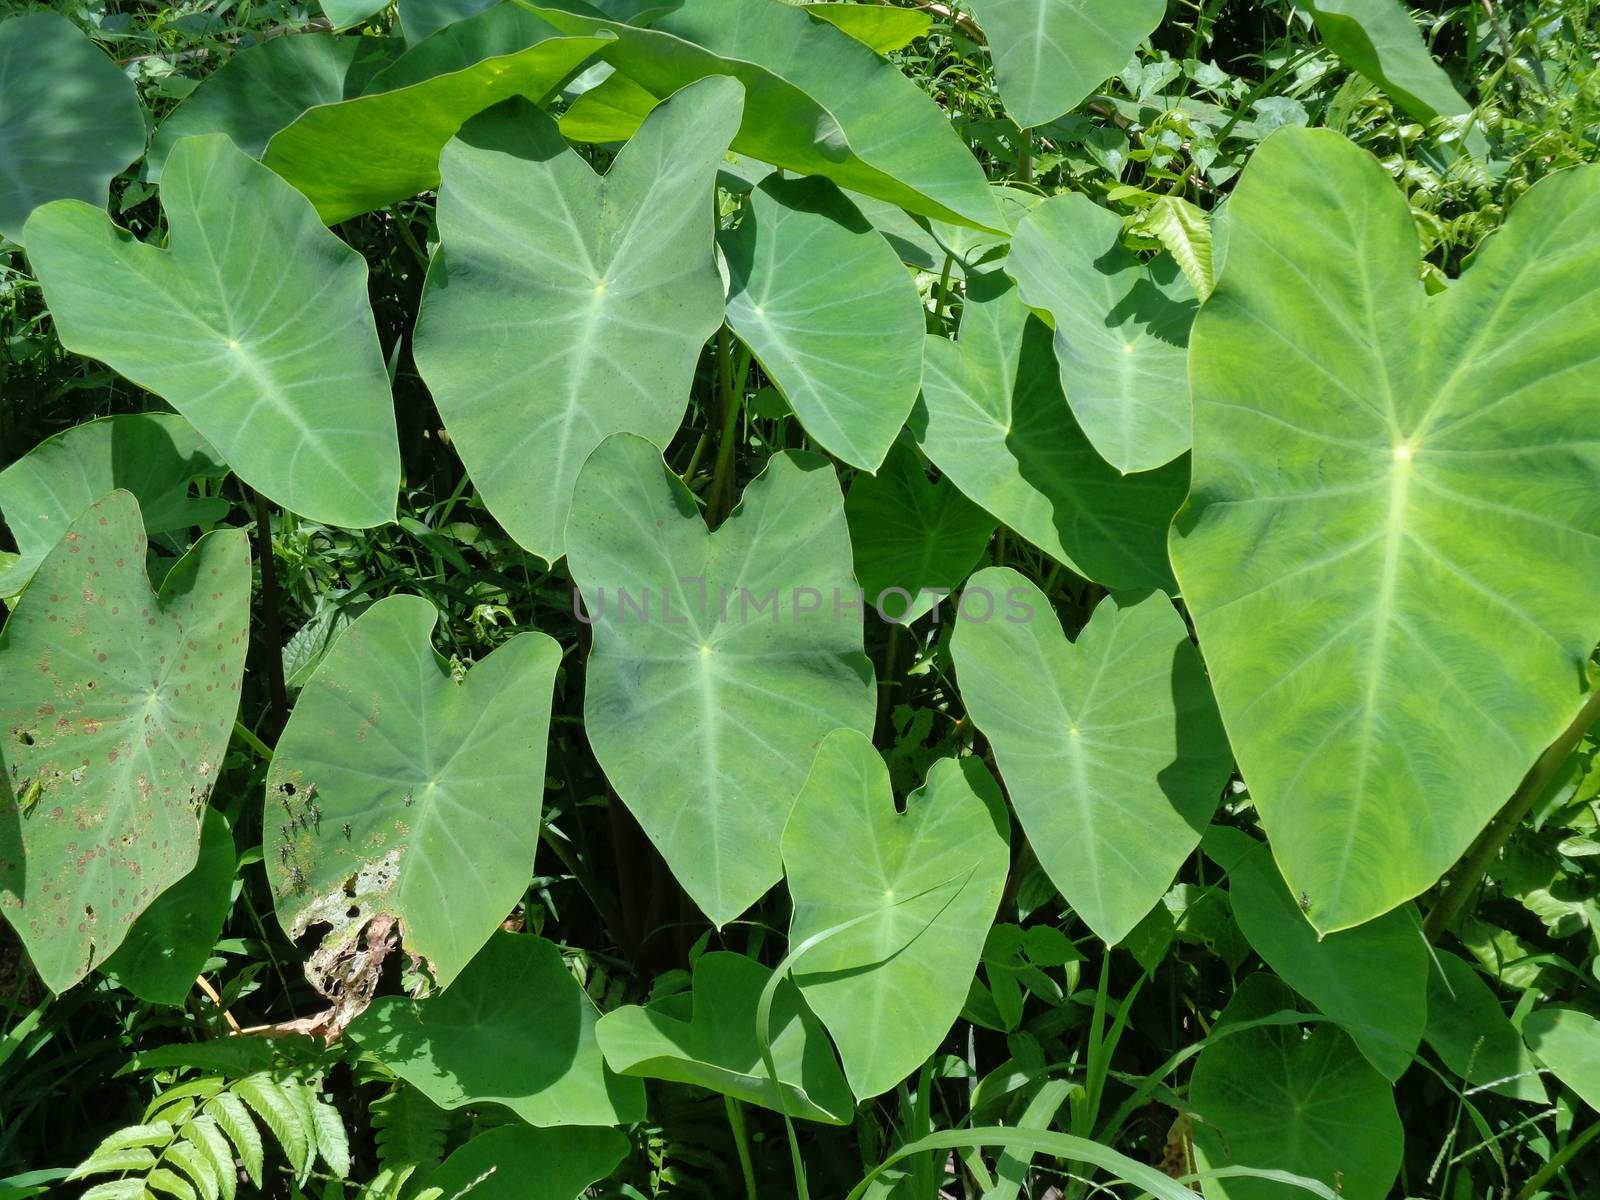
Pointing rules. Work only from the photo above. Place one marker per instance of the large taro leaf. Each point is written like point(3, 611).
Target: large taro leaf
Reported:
point(1372, 980)
point(515, 1029)
point(1379, 39)
point(420, 19)
point(1272, 1098)
point(69, 118)
point(564, 306)
point(817, 102)
point(397, 791)
point(882, 28)
point(900, 902)
point(1471, 1034)
point(255, 325)
point(515, 1162)
point(1109, 746)
point(914, 540)
point(1050, 54)
point(1568, 1042)
point(1121, 329)
point(829, 312)
point(356, 155)
point(1396, 507)
point(742, 649)
point(993, 419)
point(172, 939)
point(155, 456)
point(707, 1038)
point(116, 706)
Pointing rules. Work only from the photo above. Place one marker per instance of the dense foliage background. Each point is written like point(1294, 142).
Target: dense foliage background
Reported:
point(1444, 1048)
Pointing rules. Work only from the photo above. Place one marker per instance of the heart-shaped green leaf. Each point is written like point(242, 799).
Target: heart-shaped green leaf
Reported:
point(155, 456)
point(707, 1038)
point(1393, 509)
point(594, 323)
point(1110, 746)
point(1568, 1042)
point(1380, 39)
point(515, 1162)
point(69, 118)
point(356, 155)
point(993, 419)
point(901, 902)
point(914, 539)
point(116, 706)
point(397, 791)
point(277, 367)
point(1050, 54)
point(738, 648)
point(1373, 980)
point(1273, 1098)
point(830, 314)
point(1122, 329)
point(515, 1029)
point(1470, 1032)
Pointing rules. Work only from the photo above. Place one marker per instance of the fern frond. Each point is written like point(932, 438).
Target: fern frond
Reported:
point(409, 1128)
point(282, 1115)
point(234, 1120)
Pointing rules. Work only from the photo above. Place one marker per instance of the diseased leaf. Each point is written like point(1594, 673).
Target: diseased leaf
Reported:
point(594, 324)
point(278, 368)
point(531, 1164)
point(1394, 508)
point(116, 705)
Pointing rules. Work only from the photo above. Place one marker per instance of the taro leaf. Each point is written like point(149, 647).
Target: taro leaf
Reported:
point(530, 1164)
point(1470, 1032)
point(357, 155)
point(611, 111)
point(420, 19)
point(1271, 1098)
point(116, 706)
point(170, 942)
point(830, 314)
point(1122, 329)
point(1394, 508)
point(914, 539)
point(427, 791)
point(153, 455)
point(1109, 746)
point(993, 419)
point(1568, 1042)
point(264, 87)
point(909, 898)
point(255, 325)
point(817, 102)
point(515, 1029)
point(1373, 980)
point(713, 1044)
point(563, 306)
point(744, 655)
point(344, 13)
point(69, 118)
point(1051, 54)
point(883, 29)
point(1379, 39)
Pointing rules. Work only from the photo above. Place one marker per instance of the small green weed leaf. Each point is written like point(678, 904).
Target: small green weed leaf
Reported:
point(397, 791)
point(1373, 980)
point(169, 944)
point(1568, 1042)
point(531, 1164)
point(515, 1029)
point(817, 102)
point(1274, 1098)
point(1051, 54)
point(1393, 508)
point(882, 28)
point(69, 118)
point(1380, 39)
point(356, 155)
point(279, 368)
point(927, 882)
point(707, 1037)
point(744, 656)
point(993, 419)
point(1472, 1035)
point(1185, 231)
point(116, 706)
point(1110, 746)
point(829, 312)
point(593, 325)
point(1122, 329)
point(155, 456)
point(912, 534)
